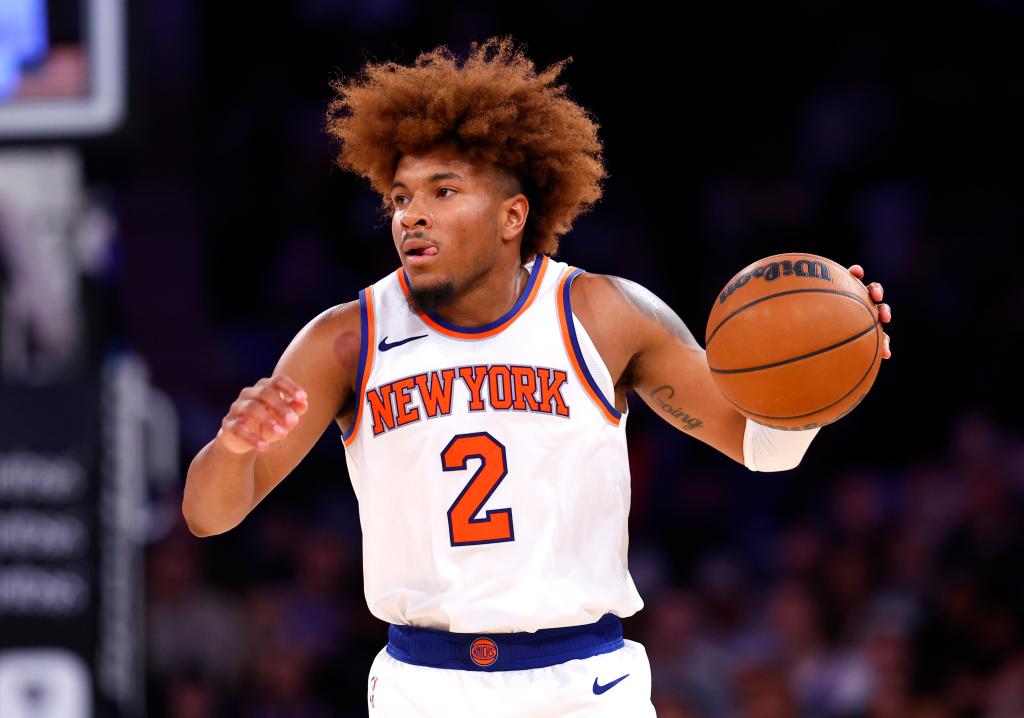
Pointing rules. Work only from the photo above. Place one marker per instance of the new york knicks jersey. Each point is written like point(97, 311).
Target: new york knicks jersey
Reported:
point(489, 464)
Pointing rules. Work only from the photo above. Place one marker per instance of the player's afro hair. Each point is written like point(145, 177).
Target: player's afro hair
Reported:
point(493, 109)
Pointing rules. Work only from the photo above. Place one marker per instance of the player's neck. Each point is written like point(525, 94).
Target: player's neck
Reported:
point(489, 298)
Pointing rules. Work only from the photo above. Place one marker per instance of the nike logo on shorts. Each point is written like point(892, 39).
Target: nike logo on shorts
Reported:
point(599, 689)
point(384, 346)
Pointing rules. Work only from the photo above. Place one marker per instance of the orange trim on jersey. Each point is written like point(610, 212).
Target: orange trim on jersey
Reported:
point(537, 276)
point(577, 360)
point(366, 366)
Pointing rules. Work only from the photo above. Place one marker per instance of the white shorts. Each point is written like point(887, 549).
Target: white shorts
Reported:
point(617, 683)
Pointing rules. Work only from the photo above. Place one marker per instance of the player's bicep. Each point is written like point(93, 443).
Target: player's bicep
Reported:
point(670, 373)
point(321, 360)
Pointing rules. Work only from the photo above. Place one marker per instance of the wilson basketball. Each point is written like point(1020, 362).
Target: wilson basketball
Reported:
point(794, 341)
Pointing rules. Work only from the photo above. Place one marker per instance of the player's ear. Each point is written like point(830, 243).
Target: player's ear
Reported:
point(514, 211)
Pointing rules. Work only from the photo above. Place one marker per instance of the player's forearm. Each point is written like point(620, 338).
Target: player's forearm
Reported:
point(219, 490)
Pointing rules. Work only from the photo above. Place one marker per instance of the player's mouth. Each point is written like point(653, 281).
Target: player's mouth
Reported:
point(418, 252)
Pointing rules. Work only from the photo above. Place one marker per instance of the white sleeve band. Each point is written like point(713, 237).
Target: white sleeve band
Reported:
point(768, 449)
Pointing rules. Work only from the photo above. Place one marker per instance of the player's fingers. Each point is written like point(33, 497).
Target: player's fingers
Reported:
point(271, 397)
point(262, 420)
point(236, 428)
point(884, 312)
point(857, 271)
point(291, 390)
point(888, 352)
point(876, 291)
point(299, 406)
point(293, 395)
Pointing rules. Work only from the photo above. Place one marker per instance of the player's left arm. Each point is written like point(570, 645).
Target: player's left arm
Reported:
point(650, 350)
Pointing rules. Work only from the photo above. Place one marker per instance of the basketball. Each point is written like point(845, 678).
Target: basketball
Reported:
point(794, 341)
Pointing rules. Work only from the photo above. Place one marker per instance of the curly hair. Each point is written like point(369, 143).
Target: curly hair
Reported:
point(494, 109)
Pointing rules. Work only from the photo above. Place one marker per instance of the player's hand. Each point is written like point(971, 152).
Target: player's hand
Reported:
point(884, 311)
point(262, 414)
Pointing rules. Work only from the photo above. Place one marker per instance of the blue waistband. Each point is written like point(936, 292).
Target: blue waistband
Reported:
point(503, 651)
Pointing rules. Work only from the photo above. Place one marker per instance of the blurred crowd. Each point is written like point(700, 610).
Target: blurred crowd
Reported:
point(896, 596)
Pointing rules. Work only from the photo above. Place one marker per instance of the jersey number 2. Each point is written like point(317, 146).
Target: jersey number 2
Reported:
point(463, 528)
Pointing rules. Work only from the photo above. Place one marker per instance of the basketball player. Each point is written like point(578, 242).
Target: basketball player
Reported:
point(480, 390)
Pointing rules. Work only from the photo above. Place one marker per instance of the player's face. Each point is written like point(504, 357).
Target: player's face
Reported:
point(447, 220)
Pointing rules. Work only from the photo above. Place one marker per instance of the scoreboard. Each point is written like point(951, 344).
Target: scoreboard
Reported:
point(62, 67)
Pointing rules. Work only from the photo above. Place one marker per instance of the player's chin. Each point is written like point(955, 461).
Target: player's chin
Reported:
point(429, 294)
point(427, 281)
point(426, 275)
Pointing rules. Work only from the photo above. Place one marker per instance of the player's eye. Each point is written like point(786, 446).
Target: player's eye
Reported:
point(400, 199)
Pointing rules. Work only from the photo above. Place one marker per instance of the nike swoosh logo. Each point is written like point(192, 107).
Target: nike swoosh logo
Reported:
point(384, 346)
point(599, 689)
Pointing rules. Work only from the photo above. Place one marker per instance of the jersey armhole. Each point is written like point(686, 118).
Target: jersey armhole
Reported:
point(575, 352)
point(367, 334)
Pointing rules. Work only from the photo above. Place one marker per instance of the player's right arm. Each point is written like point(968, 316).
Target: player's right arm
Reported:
point(312, 385)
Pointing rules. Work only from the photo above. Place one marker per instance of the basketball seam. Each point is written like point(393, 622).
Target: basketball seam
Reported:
point(827, 406)
point(854, 297)
point(855, 337)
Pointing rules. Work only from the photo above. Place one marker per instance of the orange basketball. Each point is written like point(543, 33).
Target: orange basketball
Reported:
point(794, 341)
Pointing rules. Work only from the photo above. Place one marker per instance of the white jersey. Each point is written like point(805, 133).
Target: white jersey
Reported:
point(490, 465)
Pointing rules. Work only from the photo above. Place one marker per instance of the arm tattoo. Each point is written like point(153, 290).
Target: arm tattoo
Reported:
point(662, 397)
point(648, 303)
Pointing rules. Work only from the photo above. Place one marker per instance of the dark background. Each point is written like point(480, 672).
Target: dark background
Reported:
point(880, 578)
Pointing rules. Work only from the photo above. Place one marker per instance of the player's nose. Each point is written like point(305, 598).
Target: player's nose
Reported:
point(416, 213)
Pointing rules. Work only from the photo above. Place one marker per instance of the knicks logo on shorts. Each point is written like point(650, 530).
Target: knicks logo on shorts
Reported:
point(484, 652)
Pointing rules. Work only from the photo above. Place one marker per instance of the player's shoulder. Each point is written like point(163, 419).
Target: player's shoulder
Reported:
point(342, 317)
point(602, 303)
point(333, 334)
point(608, 297)
point(625, 311)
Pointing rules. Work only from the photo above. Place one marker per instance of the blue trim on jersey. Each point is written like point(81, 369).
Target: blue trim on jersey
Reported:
point(363, 349)
point(571, 326)
point(504, 317)
point(516, 651)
